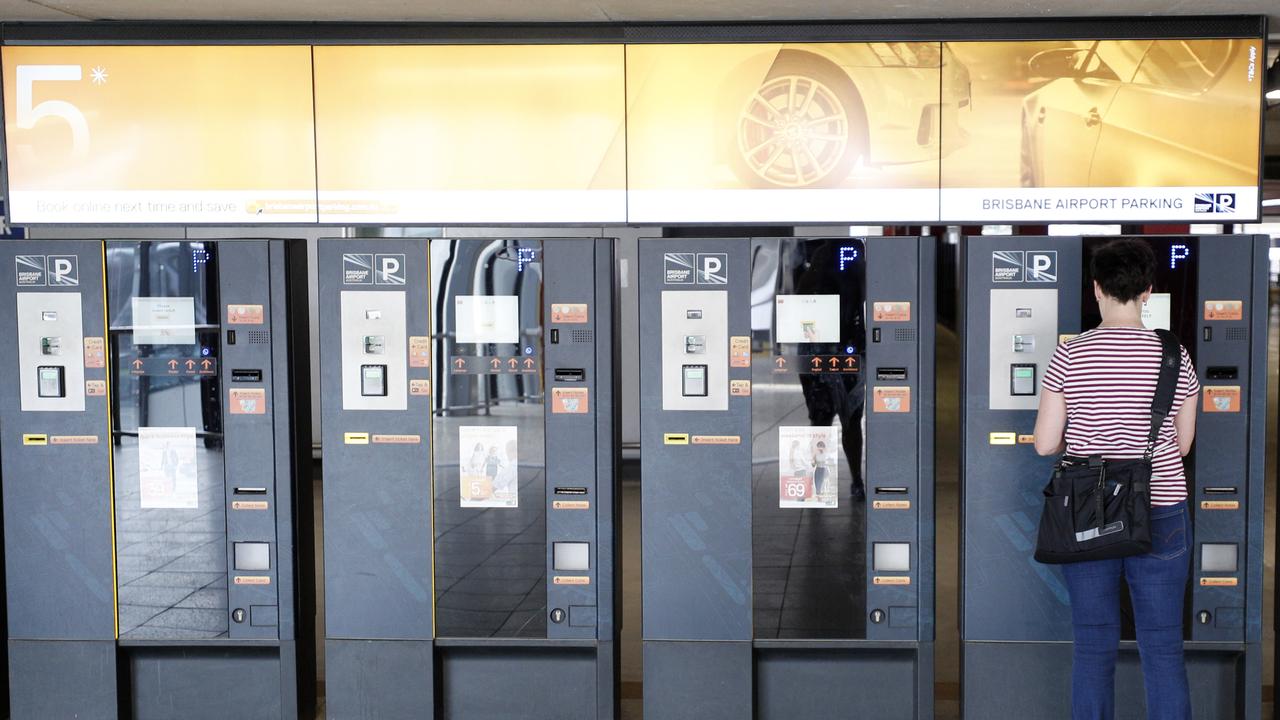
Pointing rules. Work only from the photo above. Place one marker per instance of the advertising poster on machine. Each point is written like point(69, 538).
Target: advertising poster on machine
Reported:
point(808, 466)
point(488, 463)
point(1117, 130)
point(167, 468)
point(159, 134)
point(773, 132)
point(471, 133)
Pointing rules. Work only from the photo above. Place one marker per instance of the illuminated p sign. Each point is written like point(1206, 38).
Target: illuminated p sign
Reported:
point(848, 255)
point(1178, 253)
point(524, 256)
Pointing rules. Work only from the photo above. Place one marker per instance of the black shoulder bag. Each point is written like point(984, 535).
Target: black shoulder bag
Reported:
point(1096, 509)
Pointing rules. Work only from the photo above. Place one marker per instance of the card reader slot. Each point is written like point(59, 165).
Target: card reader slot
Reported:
point(898, 374)
point(250, 491)
point(1220, 491)
point(1222, 372)
point(890, 490)
point(245, 375)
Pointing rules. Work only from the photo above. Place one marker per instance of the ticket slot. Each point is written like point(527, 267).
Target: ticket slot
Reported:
point(891, 490)
point(570, 375)
point(1222, 372)
point(1220, 491)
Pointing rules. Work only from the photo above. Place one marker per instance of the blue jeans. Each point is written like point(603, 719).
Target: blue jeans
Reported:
point(1156, 582)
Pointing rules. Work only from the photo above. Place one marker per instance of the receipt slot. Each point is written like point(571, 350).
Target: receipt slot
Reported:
point(166, 571)
point(787, 496)
point(1024, 296)
point(468, 400)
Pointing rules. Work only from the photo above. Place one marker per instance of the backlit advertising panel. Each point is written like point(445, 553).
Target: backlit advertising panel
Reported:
point(159, 134)
point(471, 134)
point(1119, 130)
point(822, 132)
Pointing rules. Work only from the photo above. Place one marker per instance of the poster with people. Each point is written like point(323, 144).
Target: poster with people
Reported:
point(488, 462)
point(808, 466)
point(167, 468)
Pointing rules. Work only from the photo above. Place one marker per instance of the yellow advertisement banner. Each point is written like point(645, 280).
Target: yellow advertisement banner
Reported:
point(159, 134)
point(1104, 129)
point(755, 132)
point(483, 133)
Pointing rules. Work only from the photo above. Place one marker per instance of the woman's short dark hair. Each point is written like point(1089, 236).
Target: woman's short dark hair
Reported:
point(1124, 269)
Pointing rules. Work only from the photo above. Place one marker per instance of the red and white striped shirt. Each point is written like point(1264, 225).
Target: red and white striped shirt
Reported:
point(1108, 378)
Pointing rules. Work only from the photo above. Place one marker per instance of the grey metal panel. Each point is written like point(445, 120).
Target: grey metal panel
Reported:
point(377, 530)
point(816, 683)
point(608, 504)
point(1000, 511)
point(58, 543)
point(1043, 687)
point(569, 277)
point(246, 275)
point(204, 683)
point(697, 680)
point(378, 679)
point(62, 679)
point(894, 275)
point(695, 499)
point(925, 519)
point(495, 683)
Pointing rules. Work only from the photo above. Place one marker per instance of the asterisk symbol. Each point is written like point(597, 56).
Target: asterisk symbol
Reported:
point(98, 75)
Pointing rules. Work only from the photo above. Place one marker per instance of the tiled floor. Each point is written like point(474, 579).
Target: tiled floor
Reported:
point(947, 647)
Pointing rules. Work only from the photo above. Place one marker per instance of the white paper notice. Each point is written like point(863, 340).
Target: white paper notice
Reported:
point(167, 467)
point(164, 321)
point(808, 470)
point(808, 318)
point(488, 464)
point(487, 318)
point(1156, 314)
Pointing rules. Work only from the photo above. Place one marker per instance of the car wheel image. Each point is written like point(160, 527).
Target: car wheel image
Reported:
point(805, 126)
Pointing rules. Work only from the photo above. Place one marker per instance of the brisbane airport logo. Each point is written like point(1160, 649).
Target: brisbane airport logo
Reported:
point(695, 268)
point(1214, 203)
point(47, 270)
point(371, 269)
point(1033, 266)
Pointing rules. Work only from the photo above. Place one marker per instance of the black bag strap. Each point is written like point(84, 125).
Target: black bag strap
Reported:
point(1166, 386)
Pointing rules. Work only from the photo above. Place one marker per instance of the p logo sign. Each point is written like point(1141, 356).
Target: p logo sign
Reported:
point(712, 269)
point(390, 269)
point(63, 270)
point(1042, 266)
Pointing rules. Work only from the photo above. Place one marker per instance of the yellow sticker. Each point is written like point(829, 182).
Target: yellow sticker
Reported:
point(356, 438)
point(397, 439)
point(890, 580)
point(717, 440)
point(31, 439)
point(1066, 337)
point(891, 312)
point(1222, 398)
point(740, 351)
point(1223, 310)
point(569, 313)
point(571, 580)
point(891, 399)
point(419, 351)
point(1003, 438)
point(1219, 582)
point(675, 438)
point(253, 580)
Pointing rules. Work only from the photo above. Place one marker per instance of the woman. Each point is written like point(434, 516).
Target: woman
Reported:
point(1096, 400)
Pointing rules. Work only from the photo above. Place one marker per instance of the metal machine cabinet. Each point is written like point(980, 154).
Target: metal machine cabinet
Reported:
point(787, 458)
point(156, 479)
point(1023, 296)
point(470, 468)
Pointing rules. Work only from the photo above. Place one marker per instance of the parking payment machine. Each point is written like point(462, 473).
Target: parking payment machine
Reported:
point(787, 458)
point(470, 449)
point(1024, 295)
point(156, 454)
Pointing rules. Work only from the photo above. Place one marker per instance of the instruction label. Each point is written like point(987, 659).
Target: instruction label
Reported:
point(1222, 398)
point(248, 401)
point(891, 312)
point(569, 313)
point(95, 352)
point(1224, 310)
point(244, 314)
point(569, 401)
point(419, 351)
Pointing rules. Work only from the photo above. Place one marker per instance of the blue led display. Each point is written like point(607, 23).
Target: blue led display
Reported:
point(848, 255)
point(1178, 253)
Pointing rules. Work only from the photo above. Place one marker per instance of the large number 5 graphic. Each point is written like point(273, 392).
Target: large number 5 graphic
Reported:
point(28, 115)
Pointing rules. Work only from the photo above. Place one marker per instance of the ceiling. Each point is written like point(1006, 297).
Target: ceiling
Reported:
point(614, 10)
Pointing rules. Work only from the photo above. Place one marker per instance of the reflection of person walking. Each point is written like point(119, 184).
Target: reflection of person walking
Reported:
point(819, 468)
